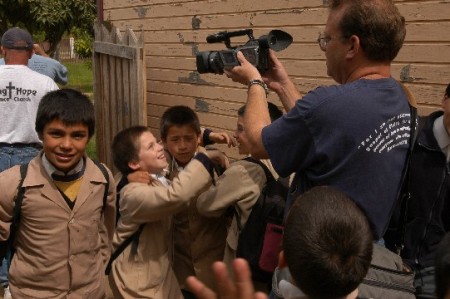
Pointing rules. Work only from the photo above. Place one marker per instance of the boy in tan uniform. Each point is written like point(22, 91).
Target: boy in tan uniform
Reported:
point(66, 225)
point(198, 241)
point(143, 269)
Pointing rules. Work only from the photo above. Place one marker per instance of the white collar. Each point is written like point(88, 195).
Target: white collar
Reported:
point(160, 177)
point(50, 169)
point(440, 133)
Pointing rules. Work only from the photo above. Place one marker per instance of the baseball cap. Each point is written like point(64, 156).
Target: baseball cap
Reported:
point(17, 39)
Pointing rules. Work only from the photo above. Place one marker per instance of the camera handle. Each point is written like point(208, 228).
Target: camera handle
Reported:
point(224, 36)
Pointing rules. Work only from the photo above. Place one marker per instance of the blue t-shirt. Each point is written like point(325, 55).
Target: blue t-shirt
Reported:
point(47, 66)
point(353, 137)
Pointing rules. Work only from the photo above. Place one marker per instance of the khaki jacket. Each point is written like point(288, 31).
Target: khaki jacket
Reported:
point(198, 241)
point(60, 253)
point(147, 274)
point(239, 186)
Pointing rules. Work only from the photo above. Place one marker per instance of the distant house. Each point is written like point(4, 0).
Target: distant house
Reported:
point(175, 30)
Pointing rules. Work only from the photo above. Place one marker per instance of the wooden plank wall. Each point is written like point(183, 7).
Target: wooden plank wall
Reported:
point(176, 30)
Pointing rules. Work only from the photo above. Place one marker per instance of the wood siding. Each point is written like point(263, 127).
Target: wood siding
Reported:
point(174, 31)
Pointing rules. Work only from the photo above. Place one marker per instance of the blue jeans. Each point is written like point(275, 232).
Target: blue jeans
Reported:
point(9, 157)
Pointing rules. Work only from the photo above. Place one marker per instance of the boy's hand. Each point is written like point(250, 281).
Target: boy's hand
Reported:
point(139, 176)
point(223, 138)
point(217, 157)
point(241, 288)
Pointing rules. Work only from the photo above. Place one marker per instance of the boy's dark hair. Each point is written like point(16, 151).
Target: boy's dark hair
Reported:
point(327, 243)
point(274, 111)
point(68, 105)
point(447, 90)
point(442, 267)
point(178, 116)
point(126, 146)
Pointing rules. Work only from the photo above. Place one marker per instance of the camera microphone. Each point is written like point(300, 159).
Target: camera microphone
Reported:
point(217, 37)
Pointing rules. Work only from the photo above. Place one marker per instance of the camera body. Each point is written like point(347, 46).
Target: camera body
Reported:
point(256, 51)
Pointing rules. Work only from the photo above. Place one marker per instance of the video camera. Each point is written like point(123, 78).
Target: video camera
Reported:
point(256, 51)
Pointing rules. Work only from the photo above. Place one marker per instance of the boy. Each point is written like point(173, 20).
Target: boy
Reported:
point(238, 187)
point(63, 241)
point(198, 241)
point(327, 247)
point(143, 269)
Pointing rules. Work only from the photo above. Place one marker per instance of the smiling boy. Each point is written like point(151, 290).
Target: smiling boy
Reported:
point(66, 226)
point(143, 269)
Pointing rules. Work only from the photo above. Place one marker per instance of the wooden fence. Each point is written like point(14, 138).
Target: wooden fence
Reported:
point(119, 85)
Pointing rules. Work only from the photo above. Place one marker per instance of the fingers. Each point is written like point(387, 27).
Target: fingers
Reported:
point(241, 58)
point(199, 289)
point(261, 295)
point(139, 176)
point(225, 285)
point(244, 282)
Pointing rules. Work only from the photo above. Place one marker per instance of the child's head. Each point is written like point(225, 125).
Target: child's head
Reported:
point(241, 136)
point(180, 132)
point(69, 106)
point(135, 148)
point(65, 122)
point(327, 243)
point(442, 265)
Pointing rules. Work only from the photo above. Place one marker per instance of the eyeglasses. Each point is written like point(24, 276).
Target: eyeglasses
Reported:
point(323, 40)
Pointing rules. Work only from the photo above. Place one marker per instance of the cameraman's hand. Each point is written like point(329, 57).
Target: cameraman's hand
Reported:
point(276, 76)
point(240, 288)
point(243, 73)
point(217, 157)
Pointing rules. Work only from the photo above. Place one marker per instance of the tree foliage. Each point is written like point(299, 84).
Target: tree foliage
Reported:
point(48, 18)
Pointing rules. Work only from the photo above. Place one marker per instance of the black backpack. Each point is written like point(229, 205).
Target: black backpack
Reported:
point(260, 239)
point(8, 245)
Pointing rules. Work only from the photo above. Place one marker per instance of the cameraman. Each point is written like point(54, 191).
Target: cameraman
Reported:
point(353, 136)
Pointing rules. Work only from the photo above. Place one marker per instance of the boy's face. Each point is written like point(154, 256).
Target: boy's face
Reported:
point(64, 145)
point(182, 143)
point(151, 154)
point(241, 137)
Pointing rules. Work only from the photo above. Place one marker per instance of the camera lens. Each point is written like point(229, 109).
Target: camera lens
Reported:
point(209, 62)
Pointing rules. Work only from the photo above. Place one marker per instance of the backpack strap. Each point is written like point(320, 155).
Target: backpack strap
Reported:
point(102, 168)
point(134, 237)
point(269, 175)
point(121, 248)
point(404, 195)
point(17, 208)
point(269, 178)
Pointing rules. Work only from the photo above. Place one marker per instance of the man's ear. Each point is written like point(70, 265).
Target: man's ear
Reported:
point(134, 165)
point(281, 260)
point(354, 46)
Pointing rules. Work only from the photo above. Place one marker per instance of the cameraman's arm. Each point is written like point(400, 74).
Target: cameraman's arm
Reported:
point(256, 115)
point(278, 80)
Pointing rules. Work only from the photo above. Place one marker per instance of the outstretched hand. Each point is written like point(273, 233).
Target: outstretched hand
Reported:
point(222, 138)
point(240, 288)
